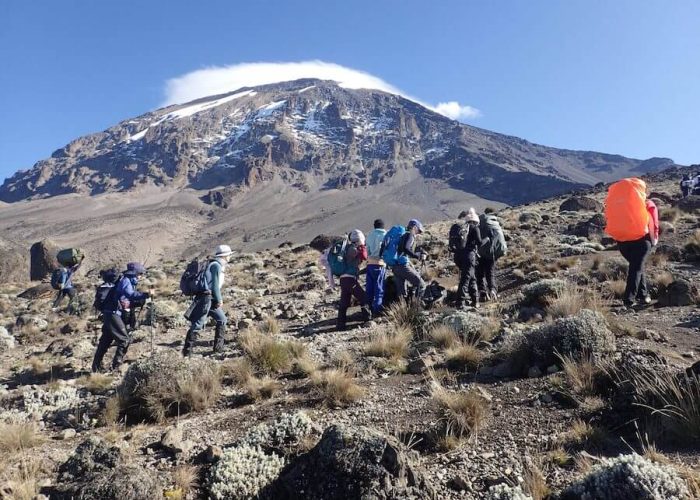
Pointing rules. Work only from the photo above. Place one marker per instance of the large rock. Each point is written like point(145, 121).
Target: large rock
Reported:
point(354, 462)
point(91, 456)
point(581, 204)
point(689, 203)
point(42, 255)
point(323, 241)
point(679, 293)
point(589, 228)
point(125, 482)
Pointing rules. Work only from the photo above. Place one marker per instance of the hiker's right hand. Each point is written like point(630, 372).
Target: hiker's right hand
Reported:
point(423, 256)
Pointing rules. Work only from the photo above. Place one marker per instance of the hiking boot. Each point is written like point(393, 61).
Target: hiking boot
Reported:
point(645, 300)
point(484, 296)
point(493, 295)
point(366, 315)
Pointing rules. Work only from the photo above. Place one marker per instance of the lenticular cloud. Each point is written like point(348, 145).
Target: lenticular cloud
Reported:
point(224, 79)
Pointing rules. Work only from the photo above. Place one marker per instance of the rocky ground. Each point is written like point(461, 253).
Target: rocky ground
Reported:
point(523, 398)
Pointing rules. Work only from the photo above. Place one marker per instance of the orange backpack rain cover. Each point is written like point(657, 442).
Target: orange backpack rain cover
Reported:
point(625, 210)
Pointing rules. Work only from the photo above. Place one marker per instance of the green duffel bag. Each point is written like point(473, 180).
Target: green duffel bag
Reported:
point(70, 257)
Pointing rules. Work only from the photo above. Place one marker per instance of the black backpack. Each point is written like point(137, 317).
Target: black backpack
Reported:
point(459, 233)
point(193, 281)
point(104, 293)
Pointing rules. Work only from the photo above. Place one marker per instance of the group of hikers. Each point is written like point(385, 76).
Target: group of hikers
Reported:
point(475, 241)
point(690, 184)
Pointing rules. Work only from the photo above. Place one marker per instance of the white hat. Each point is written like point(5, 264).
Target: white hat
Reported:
point(357, 236)
point(223, 251)
point(471, 215)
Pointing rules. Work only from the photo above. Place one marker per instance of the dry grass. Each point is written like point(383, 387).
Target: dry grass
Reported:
point(560, 457)
point(242, 374)
point(581, 433)
point(267, 354)
point(462, 414)
point(22, 482)
point(406, 316)
point(270, 326)
point(690, 475)
point(185, 478)
point(617, 288)
point(464, 356)
point(443, 336)
point(670, 214)
point(583, 375)
point(112, 411)
point(337, 387)
point(535, 483)
point(343, 360)
point(658, 259)
point(18, 437)
point(390, 345)
point(96, 382)
point(692, 245)
point(662, 279)
point(670, 399)
point(570, 300)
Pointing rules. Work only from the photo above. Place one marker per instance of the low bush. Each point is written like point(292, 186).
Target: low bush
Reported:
point(243, 472)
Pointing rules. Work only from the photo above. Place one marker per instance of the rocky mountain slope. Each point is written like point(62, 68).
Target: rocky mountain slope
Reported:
point(313, 136)
point(531, 397)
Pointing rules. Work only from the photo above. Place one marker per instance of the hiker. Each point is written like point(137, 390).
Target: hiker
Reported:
point(398, 246)
point(686, 185)
point(492, 248)
point(63, 282)
point(355, 253)
point(376, 268)
point(115, 308)
point(209, 303)
point(464, 243)
point(633, 221)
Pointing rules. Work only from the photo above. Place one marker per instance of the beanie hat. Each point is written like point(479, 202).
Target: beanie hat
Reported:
point(223, 251)
point(471, 215)
point(378, 224)
point(357, 236)
point(134, 269)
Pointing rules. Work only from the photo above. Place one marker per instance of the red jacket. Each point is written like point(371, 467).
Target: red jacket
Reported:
point(653, 221)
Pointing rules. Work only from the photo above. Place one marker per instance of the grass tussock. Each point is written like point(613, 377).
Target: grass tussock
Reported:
point(96, 383)
point(662, 279)
point(337, 387)
point(443, 336)
point(462, 414)
point(616, 288)
point(270, 326)
point(241, 373)
point(670, 214)
point(583, 434)
point(185, 478)
point(268, 354)
point(692, 246)
point(535, 483)
point(572, 299)
point(406, 315)
point(22, 481)
point(464, 356)
point(585, 376)
point(391, 345)
point(18, 437)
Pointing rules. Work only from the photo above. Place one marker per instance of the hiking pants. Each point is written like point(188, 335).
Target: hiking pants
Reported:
point(375, 286)
point(201, 311)
point(486, 275)
point(404, 273)
point(62, 294)
point(113, 330)
point(350, 287)
point(636, 253)
point(467, 280)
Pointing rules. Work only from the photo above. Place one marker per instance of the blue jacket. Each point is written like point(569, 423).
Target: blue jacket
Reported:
point(125, 291)
point(67, 277)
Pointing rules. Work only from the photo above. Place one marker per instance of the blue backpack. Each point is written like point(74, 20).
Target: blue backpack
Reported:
point(391, 246)
point(58, 278)
point(336, 258)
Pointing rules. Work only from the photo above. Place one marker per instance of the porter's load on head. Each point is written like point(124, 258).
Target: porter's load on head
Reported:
point(69, 257)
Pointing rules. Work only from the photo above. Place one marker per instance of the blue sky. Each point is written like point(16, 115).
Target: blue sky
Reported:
point(618, 76)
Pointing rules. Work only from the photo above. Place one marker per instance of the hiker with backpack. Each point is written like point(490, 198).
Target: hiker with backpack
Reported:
point(464, 242)
point(492, 248)
point(203, 281)
point(397, 248)
point(376, 268)
point(62, 281)
point(115, 299)
point(344, 259)
point(633, 222)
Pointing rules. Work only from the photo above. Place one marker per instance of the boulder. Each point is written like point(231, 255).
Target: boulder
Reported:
point(354, 462)
point(125, 482)
point(689, 203)
point(588, 228)
point(672, 252)
point(40, 291)
point(42, 259)
point(679, 293)
point(91, 456)
point(581, 204)
point(323, 241)
point(540, 293)
point(532, 218)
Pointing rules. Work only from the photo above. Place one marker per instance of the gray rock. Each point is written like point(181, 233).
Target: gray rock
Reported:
point(42, 259)
point(581, 204)
point(679, 293)
point(355, 462)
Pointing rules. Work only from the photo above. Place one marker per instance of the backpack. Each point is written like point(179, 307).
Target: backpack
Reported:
point(104, 293)
point(193, 281)
point(390, 255)
point(58, 277)
point(434, 294)
point(457, 239)
point(496, 246)
point(70, 257)
point(626, 214)
point(336, 257)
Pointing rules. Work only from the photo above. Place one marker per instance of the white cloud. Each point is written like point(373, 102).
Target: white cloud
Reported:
point(223, 79)
point(456, 111)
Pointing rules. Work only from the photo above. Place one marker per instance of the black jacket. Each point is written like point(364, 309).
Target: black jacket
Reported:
point(474, 241)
